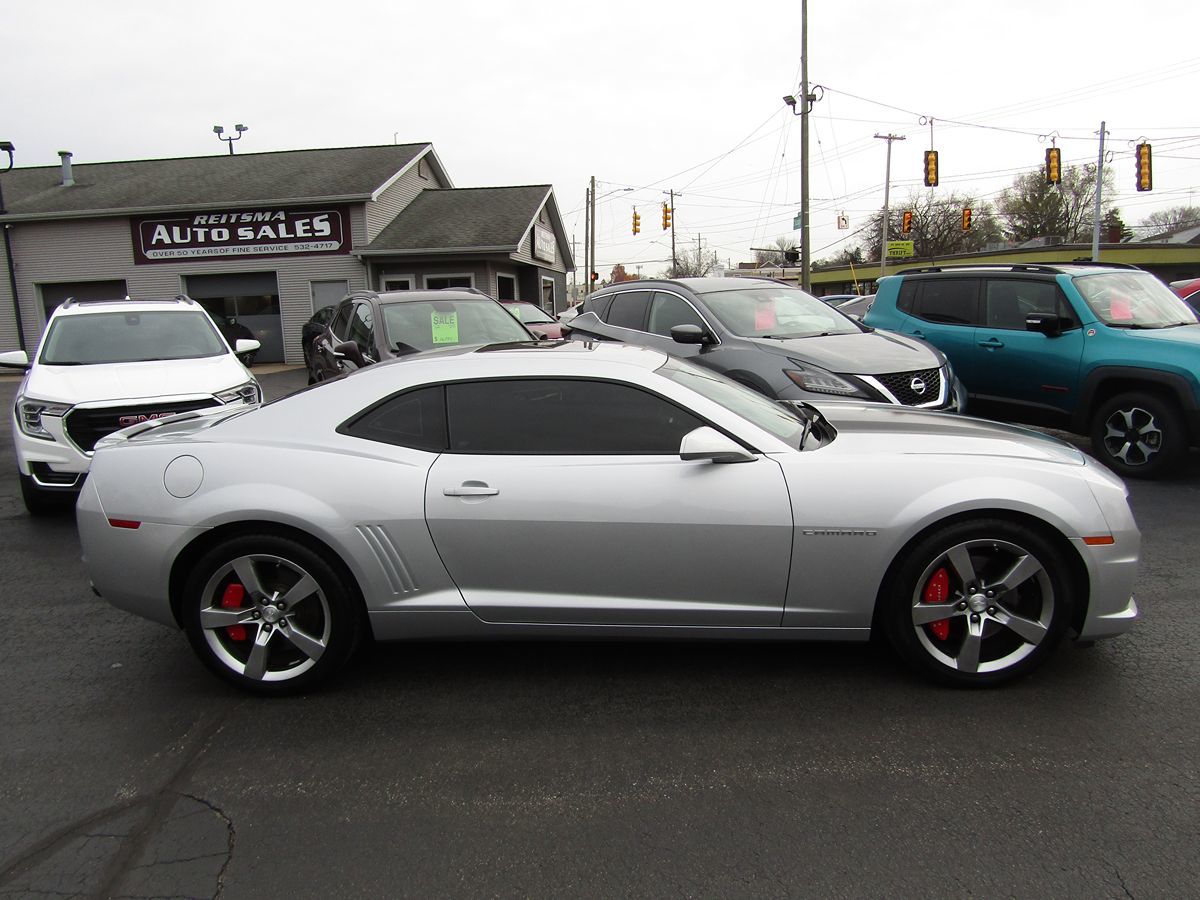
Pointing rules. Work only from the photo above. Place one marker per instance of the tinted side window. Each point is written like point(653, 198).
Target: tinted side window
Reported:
point(908, 294)
point(362, 328)
point(562, 416)
point(414, 419)
point(341, 321)
point(1007, 301)
point(949, 301)
point(598, 305)
point(628, 310)
point(668, 310)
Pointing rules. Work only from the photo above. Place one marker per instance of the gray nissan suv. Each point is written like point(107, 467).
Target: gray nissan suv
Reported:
point(772, 337)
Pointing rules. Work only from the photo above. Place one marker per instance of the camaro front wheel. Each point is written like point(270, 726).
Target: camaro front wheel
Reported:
point(269, 614)
point(978, 603)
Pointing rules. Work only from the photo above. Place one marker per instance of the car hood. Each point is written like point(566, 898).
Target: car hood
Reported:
point(865, 353)
point(887, 429)
point(1183, 335)
point(136, 380)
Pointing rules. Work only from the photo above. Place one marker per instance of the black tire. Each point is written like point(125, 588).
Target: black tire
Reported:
point(1007, 631)
point(42, 502)
point(265, 649)
point(1139, 435)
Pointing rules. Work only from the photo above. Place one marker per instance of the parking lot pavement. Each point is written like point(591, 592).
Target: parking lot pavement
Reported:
point(590, 769)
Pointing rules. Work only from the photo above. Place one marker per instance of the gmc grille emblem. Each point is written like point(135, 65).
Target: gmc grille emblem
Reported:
point(917, 385)
point(126, 421)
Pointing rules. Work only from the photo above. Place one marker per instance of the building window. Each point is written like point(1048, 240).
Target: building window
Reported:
point(422, 168)
point(548, 295)
point(54, 294)
point(506, 287)
point(397, 282)
point(440, 282)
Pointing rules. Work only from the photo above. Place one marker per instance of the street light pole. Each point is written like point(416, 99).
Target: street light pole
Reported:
point(887, 187)
point(593, 266)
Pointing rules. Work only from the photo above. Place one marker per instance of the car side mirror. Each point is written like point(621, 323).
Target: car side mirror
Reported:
point(691, 334)
point(708, 443)
point(246, 345)
point(15, 359)
point(351, 351)
point(1044, 323)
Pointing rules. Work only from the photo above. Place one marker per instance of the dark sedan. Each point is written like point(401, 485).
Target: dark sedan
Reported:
point(772, 337)
point(367, 327)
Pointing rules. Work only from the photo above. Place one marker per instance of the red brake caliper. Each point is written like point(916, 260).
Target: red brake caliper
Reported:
point(233, 597)
point(937, 590)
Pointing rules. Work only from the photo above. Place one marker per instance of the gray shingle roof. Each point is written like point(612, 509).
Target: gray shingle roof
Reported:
point(205, 181)
point(463, 219)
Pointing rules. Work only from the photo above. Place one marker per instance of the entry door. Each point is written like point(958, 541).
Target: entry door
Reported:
point(545, 511)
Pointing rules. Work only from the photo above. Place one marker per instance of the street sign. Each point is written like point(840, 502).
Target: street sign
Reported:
point(900, 249)
point(797, 224)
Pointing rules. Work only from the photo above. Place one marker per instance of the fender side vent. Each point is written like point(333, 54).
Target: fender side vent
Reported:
point(380, 542)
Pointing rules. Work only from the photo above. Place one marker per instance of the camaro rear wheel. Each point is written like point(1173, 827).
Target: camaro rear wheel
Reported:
point(978, 603)
point(1138, 435)
point(269, 614)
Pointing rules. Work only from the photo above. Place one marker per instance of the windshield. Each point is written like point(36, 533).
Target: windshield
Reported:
point(433, 324)
point(778, 312)
point(527, 312)
point(750, 405)
point(1133, 300)
point(118, 337)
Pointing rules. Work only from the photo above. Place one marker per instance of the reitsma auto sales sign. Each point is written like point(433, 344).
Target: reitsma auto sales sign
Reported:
point(240, 233)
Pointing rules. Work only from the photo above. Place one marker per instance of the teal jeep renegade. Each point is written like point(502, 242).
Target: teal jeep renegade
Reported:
point(1102, 350)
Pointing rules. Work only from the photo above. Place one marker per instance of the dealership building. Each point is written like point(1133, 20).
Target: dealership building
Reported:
point(268, 238)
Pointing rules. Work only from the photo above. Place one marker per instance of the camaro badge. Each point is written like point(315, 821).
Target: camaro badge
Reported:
point(838, 532)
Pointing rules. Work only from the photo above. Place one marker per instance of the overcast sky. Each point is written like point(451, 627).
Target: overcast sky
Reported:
point(645, 95)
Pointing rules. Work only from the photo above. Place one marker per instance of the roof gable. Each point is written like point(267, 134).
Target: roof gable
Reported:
point(488, 218)
point(247, 179)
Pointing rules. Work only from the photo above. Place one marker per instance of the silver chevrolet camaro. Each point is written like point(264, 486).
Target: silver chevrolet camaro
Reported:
point(400, 503)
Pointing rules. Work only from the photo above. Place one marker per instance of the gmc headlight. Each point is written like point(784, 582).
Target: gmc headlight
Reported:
point(30, 412)
point(243, 393)
point(821, 382)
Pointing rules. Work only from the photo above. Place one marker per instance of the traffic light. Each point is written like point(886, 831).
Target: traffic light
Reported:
point(906, 222)
point(666, 216)
point(931, 173)
point(966, 218)
point(637, 222)
point(595, 276)
point(1145, 177)
point(1053, 165)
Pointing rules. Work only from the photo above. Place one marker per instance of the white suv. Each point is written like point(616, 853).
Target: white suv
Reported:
point(103, 365)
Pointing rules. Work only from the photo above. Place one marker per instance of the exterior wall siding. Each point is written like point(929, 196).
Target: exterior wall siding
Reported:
point(390, 203)
point(102, 249)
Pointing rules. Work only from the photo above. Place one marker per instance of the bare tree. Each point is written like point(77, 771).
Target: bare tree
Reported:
point(1031, 208)
point(774, 257)
point(936, 225)
point(1168, 220)
point(694, 263)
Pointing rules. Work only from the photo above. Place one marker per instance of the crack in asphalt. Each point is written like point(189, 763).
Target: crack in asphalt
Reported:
point(135, 842)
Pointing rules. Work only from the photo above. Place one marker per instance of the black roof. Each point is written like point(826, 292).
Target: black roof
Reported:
point(458, 219)
point(291, 176)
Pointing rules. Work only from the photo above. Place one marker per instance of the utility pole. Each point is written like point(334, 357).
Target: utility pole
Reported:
point(1099, 190)
point(574, 269)
point(674, 261)
point(805, 275)
point(887, 188)
point(587, 245)
point(590, 283)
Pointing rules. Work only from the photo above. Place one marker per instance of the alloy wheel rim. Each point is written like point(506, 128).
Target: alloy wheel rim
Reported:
point(997, 608)
point(1132, 436)
point(265, 617)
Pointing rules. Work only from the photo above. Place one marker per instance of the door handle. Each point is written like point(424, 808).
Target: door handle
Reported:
point(471, 489)
point(991, 344)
